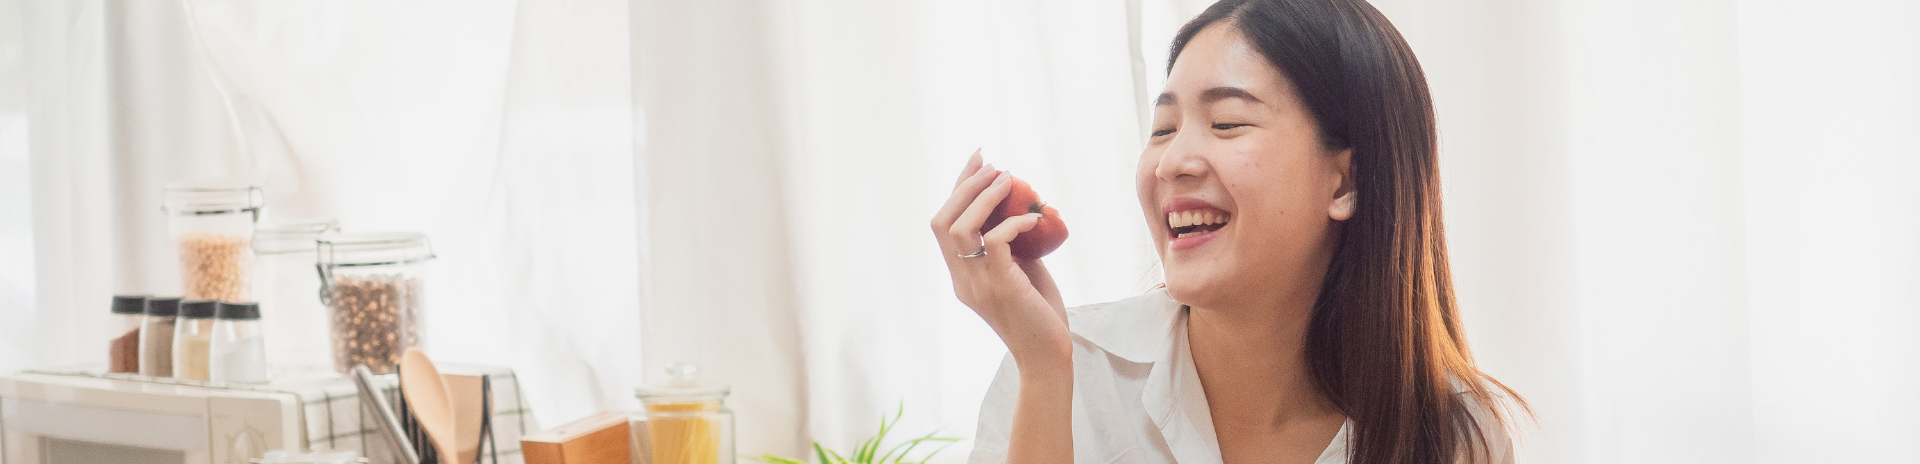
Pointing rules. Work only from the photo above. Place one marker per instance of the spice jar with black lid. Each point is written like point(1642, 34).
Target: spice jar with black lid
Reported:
point(371, 284)
point(192, 340)
point(156, 337)
point(123, 350)
point(239, 350)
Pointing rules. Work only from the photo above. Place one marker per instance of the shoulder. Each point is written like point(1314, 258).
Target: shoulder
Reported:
point(1134, 329)
point(1150, 300)
point(1491, 419)
point(1137, 329)
point(1115, 344)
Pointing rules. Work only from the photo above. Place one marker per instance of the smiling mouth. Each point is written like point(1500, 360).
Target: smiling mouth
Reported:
point(1195, 222)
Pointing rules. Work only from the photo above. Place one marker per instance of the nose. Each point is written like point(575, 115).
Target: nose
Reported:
point(1185, 156)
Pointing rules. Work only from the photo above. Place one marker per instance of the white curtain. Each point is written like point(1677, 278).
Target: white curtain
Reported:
point(16, 224)
point(1684, 230)
point(503, 131)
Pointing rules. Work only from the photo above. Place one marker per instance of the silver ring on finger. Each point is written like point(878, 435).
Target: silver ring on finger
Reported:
point(982, 252)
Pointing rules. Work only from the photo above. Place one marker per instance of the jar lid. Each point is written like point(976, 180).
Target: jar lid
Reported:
point(129, 304)
point(212, 196)
point(291, 236)
point(373, 248)
point(163, 306)
point(238, 311)
point(196, 309)
point(682, 385)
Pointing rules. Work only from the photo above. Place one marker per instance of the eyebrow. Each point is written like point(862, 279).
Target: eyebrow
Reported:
point(1211, 95)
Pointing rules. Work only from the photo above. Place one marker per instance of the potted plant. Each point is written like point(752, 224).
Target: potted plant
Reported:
point(869, 451)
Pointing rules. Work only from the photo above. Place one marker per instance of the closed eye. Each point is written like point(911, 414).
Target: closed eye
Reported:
point(1162, 132)
point(1228, 126)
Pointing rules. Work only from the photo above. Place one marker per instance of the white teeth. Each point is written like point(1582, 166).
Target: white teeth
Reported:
point(1194, 218)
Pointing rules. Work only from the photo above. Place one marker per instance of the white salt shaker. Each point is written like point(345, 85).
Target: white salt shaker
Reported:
point(239, 350)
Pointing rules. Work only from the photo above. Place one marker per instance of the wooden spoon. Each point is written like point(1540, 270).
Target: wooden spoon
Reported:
point(426, 392)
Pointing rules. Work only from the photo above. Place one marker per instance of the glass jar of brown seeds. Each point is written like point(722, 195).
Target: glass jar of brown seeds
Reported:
point(371, 284)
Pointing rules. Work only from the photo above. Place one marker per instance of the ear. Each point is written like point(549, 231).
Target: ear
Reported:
point(1345, 199)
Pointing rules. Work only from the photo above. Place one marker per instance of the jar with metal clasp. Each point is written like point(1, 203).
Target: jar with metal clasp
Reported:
point(211, 222)
point(371, 283)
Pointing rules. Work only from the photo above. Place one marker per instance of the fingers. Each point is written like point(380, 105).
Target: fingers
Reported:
point(993, 277)
point(997, 239)
point(973, 164)
point(963, 195)
point(966, 227)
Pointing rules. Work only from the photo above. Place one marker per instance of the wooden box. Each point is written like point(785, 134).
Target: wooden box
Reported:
point(598, 439)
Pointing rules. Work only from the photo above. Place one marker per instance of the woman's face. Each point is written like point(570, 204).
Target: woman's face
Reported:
point(1241, 197)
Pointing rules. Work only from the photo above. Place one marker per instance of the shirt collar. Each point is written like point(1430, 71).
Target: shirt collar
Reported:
point(1138, 329)
point(1151, 329)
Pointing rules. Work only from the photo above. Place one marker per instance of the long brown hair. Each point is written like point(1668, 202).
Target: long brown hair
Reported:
point(1385, 345)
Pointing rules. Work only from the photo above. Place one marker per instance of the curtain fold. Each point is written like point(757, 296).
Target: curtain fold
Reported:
point(68, 154)
point(1831, 213)
point(891, 99)
point(16, 210)
point(719, 271)
point(1672, 222)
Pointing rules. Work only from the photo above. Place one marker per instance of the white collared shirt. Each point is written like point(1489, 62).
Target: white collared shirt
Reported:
point(1136, 394)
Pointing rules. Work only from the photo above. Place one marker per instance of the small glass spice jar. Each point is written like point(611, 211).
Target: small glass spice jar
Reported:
point(239, 349)
point(193, 340)
point(371, 284)
point(156, 336)
point(212, 223)
point(687, 422)
point(123, 350)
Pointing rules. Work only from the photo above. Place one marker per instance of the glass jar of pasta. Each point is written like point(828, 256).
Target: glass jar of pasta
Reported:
point(687, 422)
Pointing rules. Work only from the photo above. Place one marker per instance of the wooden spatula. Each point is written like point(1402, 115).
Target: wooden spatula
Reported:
point(426, 393)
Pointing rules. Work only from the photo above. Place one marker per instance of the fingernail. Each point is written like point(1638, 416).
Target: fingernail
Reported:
point(1001, 178)
point(984, 170)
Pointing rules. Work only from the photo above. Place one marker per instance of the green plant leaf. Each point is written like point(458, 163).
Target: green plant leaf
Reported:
point(873, 446)
point(863, 453)
point(837, 458)
point(822, 453)
point(866, 452)
point(950, 441)
point(909, 444)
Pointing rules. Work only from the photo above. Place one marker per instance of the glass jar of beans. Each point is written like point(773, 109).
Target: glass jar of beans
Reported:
point(371, 284)
point(211, 222)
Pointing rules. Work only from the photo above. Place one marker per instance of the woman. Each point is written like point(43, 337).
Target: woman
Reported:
point(1291, 189)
